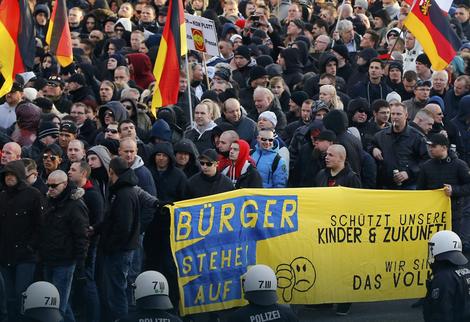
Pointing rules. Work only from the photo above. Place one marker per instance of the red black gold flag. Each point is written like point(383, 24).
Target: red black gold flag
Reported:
point(167, 65)
point(15, 38)
point(429, 24)
point(58, 34)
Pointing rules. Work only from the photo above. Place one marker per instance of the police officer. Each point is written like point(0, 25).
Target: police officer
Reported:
point(41, 303)
point(448, 292)
point(152, 300)
point(260, 285)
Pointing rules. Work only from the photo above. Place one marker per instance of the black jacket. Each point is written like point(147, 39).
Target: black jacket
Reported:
point(402, 151)
point(20, 218)
point(64, 233)
point(200, 185)
point(87, 132)
point(345, 178)
point(150, 315)
point(253, 312)
point(121, 226)
point(448, 294)
point(434, 173)
point(95, 203)
point(307, 166)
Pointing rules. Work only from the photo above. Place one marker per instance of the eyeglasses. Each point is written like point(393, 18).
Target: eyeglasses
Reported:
point(54, 185)
point(108, 113)
point(357, 7)
point(118, 30)
point(267, 139)
point(47, 156)
point(206, 163)
point(128, 107)
point(53, 84)
point(113, 131)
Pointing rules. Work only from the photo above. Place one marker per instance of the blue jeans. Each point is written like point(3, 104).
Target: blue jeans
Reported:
point(90, 291)
point(17, 278)
point(62, 277)
point(115, 270)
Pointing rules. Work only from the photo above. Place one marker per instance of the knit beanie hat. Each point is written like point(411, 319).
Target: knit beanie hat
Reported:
point(423, 59)
point(243, 51)
point(299, 97)
point(47, 128)
point(270, 116)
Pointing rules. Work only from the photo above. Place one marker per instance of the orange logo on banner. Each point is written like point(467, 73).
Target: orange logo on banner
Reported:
point(198, 40)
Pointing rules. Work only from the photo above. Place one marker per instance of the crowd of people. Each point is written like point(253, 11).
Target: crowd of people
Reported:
point(303, 94)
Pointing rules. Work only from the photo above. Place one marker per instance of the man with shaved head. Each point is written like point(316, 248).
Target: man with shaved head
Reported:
point(11, 151)
point(223, 147)
point(337, 172)
point(63, 238)
point(448, 129)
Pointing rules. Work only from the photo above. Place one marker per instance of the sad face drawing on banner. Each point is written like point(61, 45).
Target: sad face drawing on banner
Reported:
point(299, 275)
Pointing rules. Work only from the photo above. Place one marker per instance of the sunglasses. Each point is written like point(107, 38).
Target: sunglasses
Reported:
point(47, 156)
point(206, 163)
point(111, 131)
point(266, 139)
point(54, 185)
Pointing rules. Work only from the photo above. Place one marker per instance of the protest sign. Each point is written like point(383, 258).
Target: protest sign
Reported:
point(201, 35)
point(326, 245)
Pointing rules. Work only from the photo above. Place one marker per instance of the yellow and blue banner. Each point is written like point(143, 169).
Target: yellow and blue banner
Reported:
point(326, 245)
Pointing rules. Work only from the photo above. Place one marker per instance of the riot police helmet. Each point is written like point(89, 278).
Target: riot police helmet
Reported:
point(151, 291)
point(41, 302)
point(446, 245)
point(260, 285)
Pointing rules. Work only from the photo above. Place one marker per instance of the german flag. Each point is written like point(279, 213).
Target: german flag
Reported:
point(11, 61)
point(167, 65)
point(58, 34)
point(428, 23)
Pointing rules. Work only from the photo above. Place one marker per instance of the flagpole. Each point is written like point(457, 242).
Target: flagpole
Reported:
point(339, 18)
point(189, 92)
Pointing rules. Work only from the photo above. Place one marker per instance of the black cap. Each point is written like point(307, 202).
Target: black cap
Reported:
point(424, 59)
point(16, 87)
point(68, 126)
point(421, 83)
point(320, 105)
point(243, 51)
point(223, 73)
point(326, 135)
point(257, 72)
point(118, 165)
point(77, 78)
point(299, 97)
point(47, 128)
point(209, 154)
point(438, 139)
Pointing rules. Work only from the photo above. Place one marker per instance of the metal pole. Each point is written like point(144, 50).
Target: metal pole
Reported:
point(189, 92)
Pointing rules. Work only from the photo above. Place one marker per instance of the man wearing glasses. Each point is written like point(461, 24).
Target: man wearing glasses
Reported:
point(20, 219)
point(51, 160)
point(270, 165)
point(208, 181)
point(63, 238)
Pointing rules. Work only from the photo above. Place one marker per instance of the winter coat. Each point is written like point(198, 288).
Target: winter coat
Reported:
point(144, 177)
point(345, 178)
point(293, 74)
point(434, 173)
point(64, 232)
point(307, 166)
point(202, 139)
point(21, 216)
point(87, 132)
point(402, 151)
point(264, 160)
point(121, 227)
point(201, 185)
point(245, 127)
point(369, 91)
point(95, 204)
point(192, 167)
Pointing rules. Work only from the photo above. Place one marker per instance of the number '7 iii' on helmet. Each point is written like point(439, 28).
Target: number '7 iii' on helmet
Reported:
point(260, 285)
point(151, 291)
point(446, 245)
point(41, 302)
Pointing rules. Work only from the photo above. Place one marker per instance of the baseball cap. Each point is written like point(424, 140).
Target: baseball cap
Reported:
point(209, 154)
point(438, 139)
point(68, 126)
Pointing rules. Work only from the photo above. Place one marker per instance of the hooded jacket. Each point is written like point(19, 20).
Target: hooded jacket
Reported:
point(140, 118)
point(21, 217)
point(192, 167)
point(145, 180)
point(202, 140)
point(121, 227)
point(64, 233)
point(264, 160)
point(142, 69)
point(293, 73)
point(100, 175)
point(409, 58)
point(337, 121)
point(242, 173)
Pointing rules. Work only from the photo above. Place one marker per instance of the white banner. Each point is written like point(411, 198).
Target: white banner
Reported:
point(201, 35)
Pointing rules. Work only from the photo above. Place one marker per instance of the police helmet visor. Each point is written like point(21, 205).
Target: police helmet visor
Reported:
point(455, 257)
point(161, 302)
point(261, 297)
point(44, 314)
